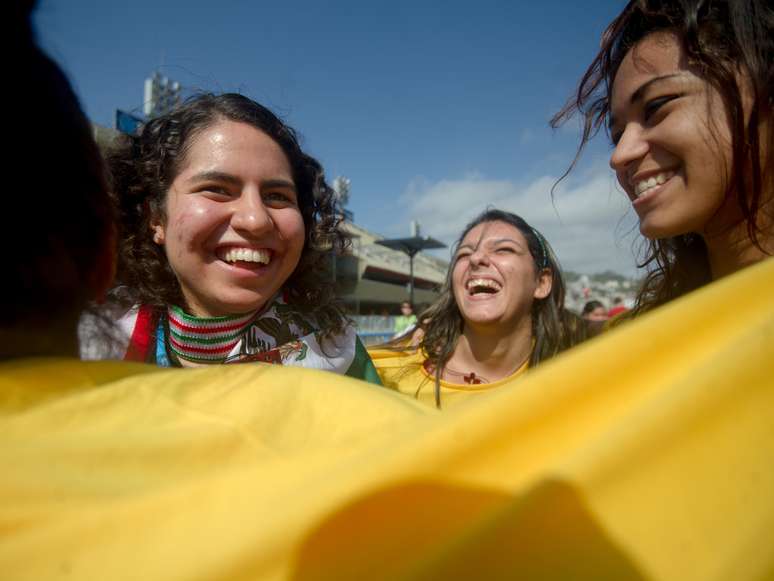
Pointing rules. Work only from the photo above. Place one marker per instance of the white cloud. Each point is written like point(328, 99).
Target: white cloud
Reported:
point(588, 222)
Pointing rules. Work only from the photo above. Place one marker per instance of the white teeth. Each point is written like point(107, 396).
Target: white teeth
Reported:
point(653, 181)
point(246, 255)
point(482, 282)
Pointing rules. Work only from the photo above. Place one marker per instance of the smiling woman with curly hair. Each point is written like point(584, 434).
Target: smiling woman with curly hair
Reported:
point(226, 232)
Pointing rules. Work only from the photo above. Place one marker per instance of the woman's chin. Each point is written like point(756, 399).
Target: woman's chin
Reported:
point(652, 228)
point(482, 319)
point(231, 306)
point(653, 231)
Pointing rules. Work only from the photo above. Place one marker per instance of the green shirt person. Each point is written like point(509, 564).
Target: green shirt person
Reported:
point(405, 321)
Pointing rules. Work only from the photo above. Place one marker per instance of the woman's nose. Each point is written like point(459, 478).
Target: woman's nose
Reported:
point(251, 215)
point(479, 257)
point(631, 146)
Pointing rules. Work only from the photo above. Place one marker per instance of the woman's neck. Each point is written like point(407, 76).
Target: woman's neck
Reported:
point(733, 250)
point(186, 363)
point(491, 354)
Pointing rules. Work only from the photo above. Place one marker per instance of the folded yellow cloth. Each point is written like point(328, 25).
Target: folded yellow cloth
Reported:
point(643, 454)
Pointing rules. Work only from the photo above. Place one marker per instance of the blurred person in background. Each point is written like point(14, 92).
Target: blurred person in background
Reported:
point(617, 308)
point(406, 321)
point(594, 311)
point(595, 316)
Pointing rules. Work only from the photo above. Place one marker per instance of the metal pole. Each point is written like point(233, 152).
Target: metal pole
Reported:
point(411, 280)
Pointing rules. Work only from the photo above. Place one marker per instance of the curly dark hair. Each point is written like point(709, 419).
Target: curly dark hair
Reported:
point(720, 38)
point(554, 329)
point(144, 167)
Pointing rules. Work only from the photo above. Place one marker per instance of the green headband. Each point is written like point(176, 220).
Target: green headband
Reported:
point(543, 251)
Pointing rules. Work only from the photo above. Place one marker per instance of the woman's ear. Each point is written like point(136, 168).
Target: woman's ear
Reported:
point(155, 222)
point(157, 227)
point(544, 283)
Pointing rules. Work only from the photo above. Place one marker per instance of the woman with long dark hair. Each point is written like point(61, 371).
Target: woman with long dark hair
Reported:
point(227, 229)
point(685, 90)
point(501, 311)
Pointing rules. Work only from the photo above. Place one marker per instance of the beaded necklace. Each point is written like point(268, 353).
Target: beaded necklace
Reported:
point(205, 339)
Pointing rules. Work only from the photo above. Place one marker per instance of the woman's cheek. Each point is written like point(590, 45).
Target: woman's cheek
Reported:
point(299, 230)
point(292, 231)
point(457, 275)
point(706, 150)
point(197, 220)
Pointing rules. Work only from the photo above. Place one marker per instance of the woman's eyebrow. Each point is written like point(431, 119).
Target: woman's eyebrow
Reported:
point(490, 242)
point(638, 94)
point(223, 177)
point(279, 183)
point(215, 176)
point(498, 241)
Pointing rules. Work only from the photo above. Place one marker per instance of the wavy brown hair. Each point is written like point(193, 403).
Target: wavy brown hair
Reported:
point(143, 168)
point(721, 38)
point(554, 329)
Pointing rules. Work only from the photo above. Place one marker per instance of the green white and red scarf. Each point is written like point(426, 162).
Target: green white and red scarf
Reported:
point(278, 334)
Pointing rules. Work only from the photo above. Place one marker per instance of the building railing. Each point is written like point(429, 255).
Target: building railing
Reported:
point(374, 329)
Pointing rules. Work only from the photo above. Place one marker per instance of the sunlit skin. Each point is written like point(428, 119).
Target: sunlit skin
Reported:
point(661, 131)
point(235, 191)
point(497, 331)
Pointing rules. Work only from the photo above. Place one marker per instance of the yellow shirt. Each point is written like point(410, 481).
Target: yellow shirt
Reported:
point(643, 454)
point(404, 371)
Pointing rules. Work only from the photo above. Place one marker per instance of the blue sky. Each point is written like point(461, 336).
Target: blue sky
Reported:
point(432, 109)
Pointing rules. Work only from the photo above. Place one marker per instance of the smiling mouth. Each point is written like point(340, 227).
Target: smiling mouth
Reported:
point(245, 255)
point(644, 187)
point(477, 286)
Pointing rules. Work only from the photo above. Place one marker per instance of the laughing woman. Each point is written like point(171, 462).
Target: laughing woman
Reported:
point(501, 311)
point(686, 90)
point(227, 227)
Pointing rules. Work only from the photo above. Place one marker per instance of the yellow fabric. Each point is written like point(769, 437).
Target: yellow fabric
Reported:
point(403, 371)
point(643, 454)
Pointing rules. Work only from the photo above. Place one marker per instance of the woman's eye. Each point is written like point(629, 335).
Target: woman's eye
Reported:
point(505, 250)
point(652, 106)
point(649, 110)
point(279, 197)
point(215, 189)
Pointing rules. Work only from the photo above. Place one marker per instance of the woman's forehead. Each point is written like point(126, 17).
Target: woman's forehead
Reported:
point(656, 54)
point(235, 146)
point(493, 232)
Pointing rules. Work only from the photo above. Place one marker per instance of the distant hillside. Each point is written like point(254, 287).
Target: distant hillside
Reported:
point(599, 277)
